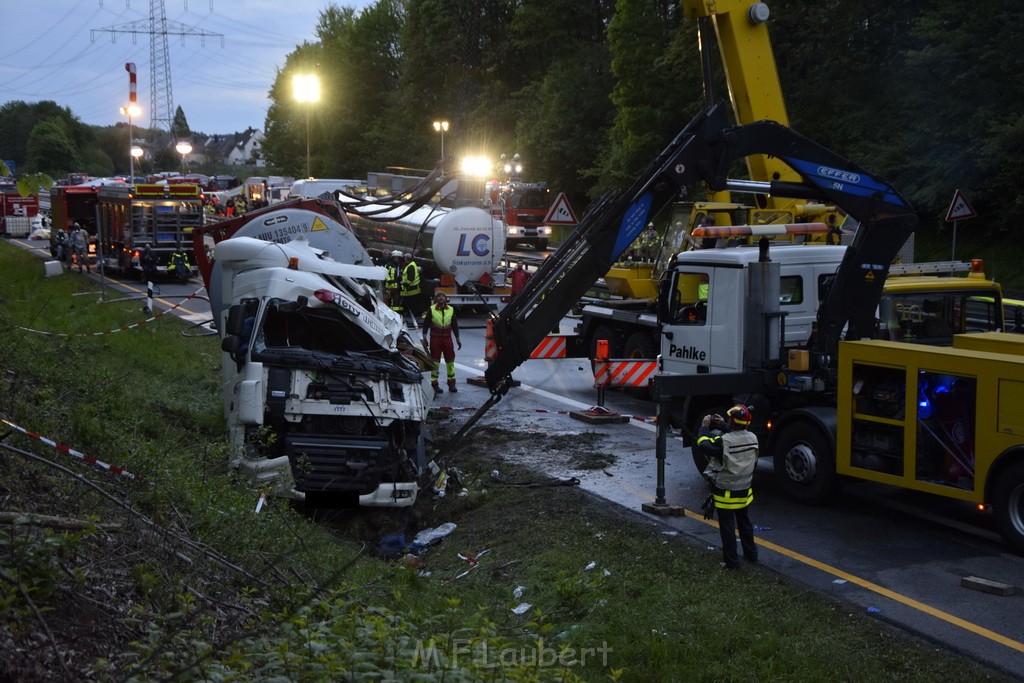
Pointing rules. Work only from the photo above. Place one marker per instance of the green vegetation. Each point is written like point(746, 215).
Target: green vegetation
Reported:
point(177, 577)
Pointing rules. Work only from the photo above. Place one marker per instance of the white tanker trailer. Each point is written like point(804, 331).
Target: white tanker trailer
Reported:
point(462, 248)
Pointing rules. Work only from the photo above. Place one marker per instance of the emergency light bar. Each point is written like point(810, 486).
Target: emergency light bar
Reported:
point(760, 230)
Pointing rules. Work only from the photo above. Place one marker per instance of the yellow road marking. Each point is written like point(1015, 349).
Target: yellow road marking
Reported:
point(880, 590)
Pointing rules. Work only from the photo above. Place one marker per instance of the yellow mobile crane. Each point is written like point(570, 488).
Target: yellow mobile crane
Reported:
point(626, 321)
point(740, 30)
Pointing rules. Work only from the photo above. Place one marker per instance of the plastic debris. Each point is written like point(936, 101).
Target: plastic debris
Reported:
point(874, 610)
point(607, 572)
point(473, 561)
point(839, 581)
point(569, 631)
point(441, 484)
point(762, 528)
point(590, 566)
point(392, 546)
point(669, 533)
point(521, 608)
point(434, 535)
point(261, 502)
point(518, 592)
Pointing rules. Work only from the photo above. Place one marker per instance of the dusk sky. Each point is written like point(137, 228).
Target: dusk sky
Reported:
point(57, 50)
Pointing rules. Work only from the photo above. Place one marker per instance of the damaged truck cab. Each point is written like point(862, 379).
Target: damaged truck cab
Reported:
point(323, 389)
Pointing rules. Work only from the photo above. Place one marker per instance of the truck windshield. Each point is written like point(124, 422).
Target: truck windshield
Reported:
point(934, 317)
point(322, 329)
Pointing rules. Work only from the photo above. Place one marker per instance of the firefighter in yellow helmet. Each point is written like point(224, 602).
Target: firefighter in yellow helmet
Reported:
point(732, 452)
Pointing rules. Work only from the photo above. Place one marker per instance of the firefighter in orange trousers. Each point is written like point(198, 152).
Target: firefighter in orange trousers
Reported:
point(439, 327)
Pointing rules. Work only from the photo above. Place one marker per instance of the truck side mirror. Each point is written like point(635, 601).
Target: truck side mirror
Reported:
point(230, 344)
point(236, 316)
point(664, 299)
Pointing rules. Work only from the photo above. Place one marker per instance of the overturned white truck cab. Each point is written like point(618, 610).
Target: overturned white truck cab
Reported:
point(323, 388)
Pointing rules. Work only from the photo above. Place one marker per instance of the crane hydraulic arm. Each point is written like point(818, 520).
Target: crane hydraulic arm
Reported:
point(704, 151)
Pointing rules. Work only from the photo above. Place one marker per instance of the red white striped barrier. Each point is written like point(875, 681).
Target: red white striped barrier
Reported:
point(624, 373)
point(119, 329)
point(71, 451)
point(550, 347)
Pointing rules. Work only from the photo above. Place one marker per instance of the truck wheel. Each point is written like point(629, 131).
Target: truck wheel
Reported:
point(640, 345)
point(805, 466)
point(541, 245)
point(1008, 505)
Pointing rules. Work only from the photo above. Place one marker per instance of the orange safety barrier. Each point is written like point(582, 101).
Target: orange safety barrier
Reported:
point(550, 347)
point(625, 373)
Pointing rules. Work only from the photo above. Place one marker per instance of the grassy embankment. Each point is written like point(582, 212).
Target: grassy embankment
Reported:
point(101, 576)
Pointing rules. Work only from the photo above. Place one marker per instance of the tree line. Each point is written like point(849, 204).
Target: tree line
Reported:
point(589, 91)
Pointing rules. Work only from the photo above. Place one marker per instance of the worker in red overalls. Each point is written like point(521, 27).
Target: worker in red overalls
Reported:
point(519, 277)
point(439, 326)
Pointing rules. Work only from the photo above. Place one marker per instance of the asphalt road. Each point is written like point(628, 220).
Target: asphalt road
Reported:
point(898, 556)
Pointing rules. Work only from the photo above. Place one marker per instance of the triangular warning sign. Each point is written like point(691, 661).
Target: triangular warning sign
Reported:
point(959, 209)
point(319, 225)
point(560, 212)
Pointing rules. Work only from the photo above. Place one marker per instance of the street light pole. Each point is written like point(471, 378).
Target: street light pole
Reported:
point(130, 111)
point(441, 127)
point(183, 147)
point(306, 89)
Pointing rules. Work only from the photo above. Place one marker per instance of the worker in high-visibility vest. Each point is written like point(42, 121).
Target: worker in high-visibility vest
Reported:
point(440, 326)
point(391, 294)
point(410, 289)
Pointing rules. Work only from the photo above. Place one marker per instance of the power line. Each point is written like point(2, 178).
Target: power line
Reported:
point(157, 26)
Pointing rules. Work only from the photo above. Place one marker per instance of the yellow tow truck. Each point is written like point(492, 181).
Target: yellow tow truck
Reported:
point(945, 421)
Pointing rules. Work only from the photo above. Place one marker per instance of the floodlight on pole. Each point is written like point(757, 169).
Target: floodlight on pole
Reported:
point(184, 148)
point(132, 110)
point(441, 127)
point(306, 88)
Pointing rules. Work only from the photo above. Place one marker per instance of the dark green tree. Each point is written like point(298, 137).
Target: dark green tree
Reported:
point(50, 150)
point(179, 125)
point(656, 85)
point(284, 141)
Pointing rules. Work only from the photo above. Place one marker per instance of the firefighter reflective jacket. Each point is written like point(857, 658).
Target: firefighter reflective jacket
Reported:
point(443, 322)
point(733, 457)
point(410, 279)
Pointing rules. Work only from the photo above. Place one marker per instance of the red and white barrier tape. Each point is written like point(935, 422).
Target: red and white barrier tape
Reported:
point(78, 454)
point(118, 329)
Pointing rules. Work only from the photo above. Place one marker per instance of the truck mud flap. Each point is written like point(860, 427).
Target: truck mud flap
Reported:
point(352, 464)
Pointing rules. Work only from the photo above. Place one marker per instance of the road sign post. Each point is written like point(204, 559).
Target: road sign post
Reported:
point(959, 209)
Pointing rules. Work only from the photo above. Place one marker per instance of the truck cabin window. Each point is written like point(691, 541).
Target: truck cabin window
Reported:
point(323, 329)
point(934, 317)
point(690, 298)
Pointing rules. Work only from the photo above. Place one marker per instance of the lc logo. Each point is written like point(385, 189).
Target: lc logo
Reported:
point(476, 245)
